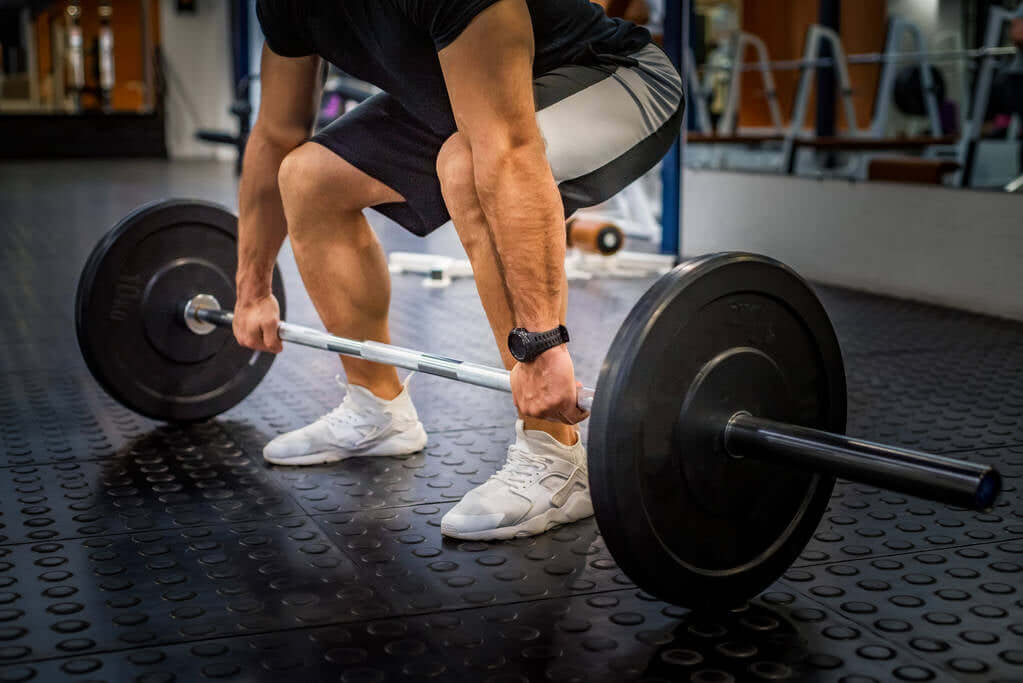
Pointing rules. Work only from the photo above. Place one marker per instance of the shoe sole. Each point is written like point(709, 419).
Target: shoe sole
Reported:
point(401, 444)
point(577, 507)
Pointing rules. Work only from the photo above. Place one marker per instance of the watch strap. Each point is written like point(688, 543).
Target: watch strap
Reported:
point(550, 338)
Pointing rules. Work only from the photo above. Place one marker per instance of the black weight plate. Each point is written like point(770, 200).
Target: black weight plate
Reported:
point(719, 334)
point(909, 93)
point(129, 305)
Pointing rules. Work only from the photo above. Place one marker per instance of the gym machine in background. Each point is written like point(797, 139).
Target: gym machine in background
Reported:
point(908, 81)
point(996, 88)
point(914, 86)
point(916, 132)
point(729, 119)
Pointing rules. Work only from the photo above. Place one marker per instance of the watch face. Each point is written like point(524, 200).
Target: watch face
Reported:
point(517, 346)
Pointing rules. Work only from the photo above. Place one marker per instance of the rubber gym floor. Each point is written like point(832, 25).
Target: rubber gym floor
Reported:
point(136, 551)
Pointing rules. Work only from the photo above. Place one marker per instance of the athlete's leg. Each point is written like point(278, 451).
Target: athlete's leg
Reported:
point(338, 255)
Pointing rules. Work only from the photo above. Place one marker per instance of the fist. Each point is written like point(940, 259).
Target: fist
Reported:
point(546, 388)
point(255, 324)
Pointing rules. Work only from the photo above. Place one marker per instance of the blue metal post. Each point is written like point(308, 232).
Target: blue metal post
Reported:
point(671, 167)
point(829, 14)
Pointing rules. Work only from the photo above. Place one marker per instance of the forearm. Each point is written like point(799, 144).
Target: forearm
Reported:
point(523, 208)
point(261, 226)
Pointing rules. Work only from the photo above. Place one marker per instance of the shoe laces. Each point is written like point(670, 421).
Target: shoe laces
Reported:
point(520, 468)
point(349, 412)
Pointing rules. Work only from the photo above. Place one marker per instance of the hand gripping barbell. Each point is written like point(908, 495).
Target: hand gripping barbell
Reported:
point(715, 435)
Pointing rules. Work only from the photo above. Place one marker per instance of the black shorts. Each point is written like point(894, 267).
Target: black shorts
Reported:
point(604, 125)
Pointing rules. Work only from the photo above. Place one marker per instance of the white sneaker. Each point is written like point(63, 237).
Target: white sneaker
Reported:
point(543, 484)
point(363, 424)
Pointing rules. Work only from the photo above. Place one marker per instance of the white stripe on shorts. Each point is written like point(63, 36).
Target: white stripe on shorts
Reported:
point(600, 123)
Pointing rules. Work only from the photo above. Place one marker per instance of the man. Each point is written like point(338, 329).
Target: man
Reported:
point(503, 115)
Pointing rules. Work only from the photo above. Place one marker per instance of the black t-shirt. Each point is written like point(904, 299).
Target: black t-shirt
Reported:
point(393, 44)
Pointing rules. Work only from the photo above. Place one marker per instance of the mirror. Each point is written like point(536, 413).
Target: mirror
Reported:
point(918, 91)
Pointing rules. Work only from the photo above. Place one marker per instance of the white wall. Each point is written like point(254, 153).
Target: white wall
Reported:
point(959, 248)
point(197, 51)
point(923, 13)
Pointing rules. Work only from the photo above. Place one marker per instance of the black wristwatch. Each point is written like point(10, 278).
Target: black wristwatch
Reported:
point(525, 346)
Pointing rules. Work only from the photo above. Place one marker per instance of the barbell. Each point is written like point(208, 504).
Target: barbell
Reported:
point(715, 435)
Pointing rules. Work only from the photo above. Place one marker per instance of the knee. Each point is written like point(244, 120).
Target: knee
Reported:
point(310, 187)
point(312, 177)
point(458, 185)
point(299, 180)
point(455, 171)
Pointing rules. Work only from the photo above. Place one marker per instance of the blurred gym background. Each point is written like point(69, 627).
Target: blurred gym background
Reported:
point(781, 93)
point(177, 79)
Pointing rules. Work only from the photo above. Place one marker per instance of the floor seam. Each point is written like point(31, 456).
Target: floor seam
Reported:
point(325, 624)
point(923, 663)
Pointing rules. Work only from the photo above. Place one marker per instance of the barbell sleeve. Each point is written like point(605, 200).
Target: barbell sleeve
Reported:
point(387, 354)
point(935, 477)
